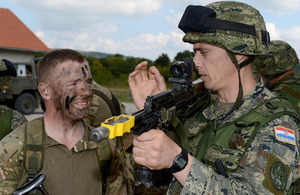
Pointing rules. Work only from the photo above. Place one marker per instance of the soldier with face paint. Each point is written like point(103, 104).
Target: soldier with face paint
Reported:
point(70, 160)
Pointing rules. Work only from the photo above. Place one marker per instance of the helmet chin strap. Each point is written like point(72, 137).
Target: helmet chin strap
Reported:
point(239, 98)
point(271, 79)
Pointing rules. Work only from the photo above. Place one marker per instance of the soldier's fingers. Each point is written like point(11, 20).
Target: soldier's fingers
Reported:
point(160, 81)
point(145, 159)
point(147, 136)
point(151, 72)
point(140, 160)
point(139, 144)
point(136, 74)
point(141, 65)
point(138, 151)
point(131, 79)
point(141, 70)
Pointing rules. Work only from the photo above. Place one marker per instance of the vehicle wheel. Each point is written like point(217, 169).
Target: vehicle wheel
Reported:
point(25, 103)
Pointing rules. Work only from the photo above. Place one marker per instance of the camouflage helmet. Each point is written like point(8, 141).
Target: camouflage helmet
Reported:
point(281, 58)
point(7, 69)
point(235, 26)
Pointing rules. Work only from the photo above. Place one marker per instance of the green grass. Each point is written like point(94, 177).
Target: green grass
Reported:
point(123, 94)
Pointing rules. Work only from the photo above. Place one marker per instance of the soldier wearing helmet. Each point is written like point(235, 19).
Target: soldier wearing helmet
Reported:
point(9, 118)
point(276, 68)
point(246, 141)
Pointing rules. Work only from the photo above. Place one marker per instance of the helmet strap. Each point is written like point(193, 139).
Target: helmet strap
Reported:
point(239, 98)
point(277, 77)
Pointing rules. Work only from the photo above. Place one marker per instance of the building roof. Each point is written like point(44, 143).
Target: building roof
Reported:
point(15, 35)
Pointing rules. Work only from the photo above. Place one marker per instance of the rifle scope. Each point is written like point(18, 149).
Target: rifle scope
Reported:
point(183, 69)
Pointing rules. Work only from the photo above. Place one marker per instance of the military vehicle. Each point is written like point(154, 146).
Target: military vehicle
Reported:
point(21, 92)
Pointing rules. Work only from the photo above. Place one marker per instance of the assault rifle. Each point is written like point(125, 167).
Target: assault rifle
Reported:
point(183, 100)
point(35, 183)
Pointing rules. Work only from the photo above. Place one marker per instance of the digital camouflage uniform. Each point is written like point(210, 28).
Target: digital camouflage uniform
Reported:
point(289, 89)
point(238, 147)
point(9, 118)
point(75, 171)
point(281, 59)
point(252, 175)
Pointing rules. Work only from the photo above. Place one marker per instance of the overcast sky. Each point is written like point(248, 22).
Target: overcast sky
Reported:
point(139, 28)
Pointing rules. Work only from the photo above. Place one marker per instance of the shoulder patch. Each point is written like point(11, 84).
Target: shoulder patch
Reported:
point(276, 175)
point(285, 135)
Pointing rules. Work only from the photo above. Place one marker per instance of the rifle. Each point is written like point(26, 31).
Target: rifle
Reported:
point(184, 99)
point(36, 182)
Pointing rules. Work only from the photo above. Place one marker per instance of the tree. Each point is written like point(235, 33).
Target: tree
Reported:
point(162, 60)
point(184, 54)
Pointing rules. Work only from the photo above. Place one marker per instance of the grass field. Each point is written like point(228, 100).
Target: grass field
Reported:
point(123, 94)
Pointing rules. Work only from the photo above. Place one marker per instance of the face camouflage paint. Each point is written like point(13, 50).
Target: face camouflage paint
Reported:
point(83, 71)
point(68, 101)
point(86, 67)
point(73, 89)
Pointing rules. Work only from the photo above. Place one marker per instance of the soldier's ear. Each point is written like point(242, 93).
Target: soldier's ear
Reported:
point(45, 90)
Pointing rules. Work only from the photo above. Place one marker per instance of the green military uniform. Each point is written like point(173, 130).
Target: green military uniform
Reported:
point(249, 173)
point(66, 170)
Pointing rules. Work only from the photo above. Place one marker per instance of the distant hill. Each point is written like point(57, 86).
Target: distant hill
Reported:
point(96, 54)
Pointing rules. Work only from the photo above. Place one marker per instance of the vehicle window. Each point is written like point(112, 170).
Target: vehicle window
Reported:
point(28, 71)
point(21, 70)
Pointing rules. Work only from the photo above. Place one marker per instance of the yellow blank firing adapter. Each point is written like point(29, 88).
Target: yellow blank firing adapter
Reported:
point(113, 127)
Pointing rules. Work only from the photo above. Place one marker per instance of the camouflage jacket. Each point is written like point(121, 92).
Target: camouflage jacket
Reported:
point(74, 171)
point(267, 166)
point(289, 89)
point(15, 119)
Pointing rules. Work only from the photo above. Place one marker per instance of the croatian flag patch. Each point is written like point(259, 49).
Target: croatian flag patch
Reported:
point(285, 135)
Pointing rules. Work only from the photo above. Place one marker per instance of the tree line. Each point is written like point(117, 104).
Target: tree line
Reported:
point(113, 71)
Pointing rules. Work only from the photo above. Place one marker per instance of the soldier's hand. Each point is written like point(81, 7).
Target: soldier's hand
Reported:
point(154, 149)
point(143, 83)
